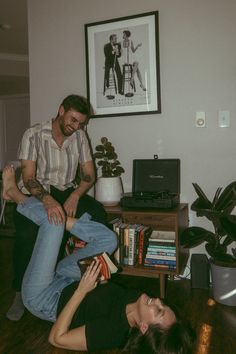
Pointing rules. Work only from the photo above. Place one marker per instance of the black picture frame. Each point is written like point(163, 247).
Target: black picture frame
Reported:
point(135, 87)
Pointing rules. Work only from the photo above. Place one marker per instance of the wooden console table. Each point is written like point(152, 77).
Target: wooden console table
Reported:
point(164, 220)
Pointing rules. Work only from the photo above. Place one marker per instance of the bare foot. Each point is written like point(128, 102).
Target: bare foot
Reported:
point(9, 182)
point(143, 88)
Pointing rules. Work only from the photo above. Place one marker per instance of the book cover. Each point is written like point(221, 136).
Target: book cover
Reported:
point(163, 235)
point(108, 267)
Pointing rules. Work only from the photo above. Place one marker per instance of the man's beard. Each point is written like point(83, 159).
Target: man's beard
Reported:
point(64, 131)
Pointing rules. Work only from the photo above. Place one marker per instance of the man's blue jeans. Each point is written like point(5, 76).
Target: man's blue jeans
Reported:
point(42, 283)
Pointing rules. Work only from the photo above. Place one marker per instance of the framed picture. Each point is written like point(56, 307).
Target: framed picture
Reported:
point(122, 66)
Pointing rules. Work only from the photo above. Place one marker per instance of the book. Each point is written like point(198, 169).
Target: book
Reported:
point(158, 256)
point(144, 235)
point(116, 229)
point(151, 254)
point(108, 267)
point(161, 266)
point(162, 235)
point(126, 245)
point(133, 235)
point(159, 261)
point(157, 249)
point(121, 243)
point(162, 246)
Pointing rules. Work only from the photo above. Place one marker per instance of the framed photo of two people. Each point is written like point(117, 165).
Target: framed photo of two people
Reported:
point(122, 65)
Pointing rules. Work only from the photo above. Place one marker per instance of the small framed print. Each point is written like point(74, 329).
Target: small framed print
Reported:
point(122, 66)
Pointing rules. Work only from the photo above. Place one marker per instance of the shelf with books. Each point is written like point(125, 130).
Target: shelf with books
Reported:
point(166, 226)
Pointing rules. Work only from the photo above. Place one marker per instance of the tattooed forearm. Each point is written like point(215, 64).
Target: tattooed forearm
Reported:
point(86, 178)
point(35, 188)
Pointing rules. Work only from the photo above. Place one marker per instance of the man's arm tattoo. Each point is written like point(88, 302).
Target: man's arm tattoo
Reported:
point(35, 188)
point(86, 178)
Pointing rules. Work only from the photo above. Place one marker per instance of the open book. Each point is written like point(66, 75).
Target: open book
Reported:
point(108, 267)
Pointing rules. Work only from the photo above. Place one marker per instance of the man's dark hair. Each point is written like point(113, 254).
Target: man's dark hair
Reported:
point(111, 36)
point(78, 103)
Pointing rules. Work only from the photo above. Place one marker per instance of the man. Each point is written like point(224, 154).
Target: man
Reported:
point(50, 153)
point(112, 51)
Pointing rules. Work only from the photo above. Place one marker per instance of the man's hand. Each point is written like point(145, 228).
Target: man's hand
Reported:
point(54, 210)
point(70, 205)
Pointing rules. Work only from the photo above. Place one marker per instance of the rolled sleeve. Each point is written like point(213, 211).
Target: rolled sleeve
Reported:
point(85, 151)
point(27, 149)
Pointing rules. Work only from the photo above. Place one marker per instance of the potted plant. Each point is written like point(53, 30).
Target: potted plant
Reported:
point(218, 241)
point(108, 188)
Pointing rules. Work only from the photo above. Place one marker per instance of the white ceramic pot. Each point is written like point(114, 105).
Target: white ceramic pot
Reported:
point(108, 190)
point(223, 284)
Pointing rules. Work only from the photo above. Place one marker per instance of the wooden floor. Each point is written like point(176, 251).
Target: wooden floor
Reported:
point(215, 324)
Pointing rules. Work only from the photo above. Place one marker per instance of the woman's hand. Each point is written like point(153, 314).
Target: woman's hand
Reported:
point(89, 279)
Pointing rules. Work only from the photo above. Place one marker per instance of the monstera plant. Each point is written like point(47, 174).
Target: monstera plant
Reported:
point(218, 211)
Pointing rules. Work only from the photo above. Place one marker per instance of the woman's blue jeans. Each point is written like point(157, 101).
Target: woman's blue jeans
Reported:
point(44, 281)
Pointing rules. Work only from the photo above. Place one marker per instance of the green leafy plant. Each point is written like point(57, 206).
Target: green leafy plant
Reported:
point(107, 159)
point(219, 213)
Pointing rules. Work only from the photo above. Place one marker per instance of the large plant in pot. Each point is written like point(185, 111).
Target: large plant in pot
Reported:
point(109, 188)
point(218, 243)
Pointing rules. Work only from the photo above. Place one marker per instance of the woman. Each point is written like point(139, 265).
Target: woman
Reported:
point(129, 45)
point(88, 316)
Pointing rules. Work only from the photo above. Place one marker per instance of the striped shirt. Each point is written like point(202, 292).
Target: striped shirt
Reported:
point(56, 165)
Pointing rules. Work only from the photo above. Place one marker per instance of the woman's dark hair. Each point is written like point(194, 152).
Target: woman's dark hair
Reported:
point(127, 33)
point(78, 103)
point(177, 339)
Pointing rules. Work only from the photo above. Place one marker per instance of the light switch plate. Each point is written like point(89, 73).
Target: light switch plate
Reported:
point(200, 119)
point(224, 119)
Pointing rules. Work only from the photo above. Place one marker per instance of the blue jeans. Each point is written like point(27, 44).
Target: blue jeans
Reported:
point(43, 282)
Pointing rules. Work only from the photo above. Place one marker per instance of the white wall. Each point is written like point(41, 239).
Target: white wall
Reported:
point(14, 120)
point(198, 73)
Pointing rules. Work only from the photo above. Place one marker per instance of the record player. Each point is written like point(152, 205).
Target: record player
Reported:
point(155, 184)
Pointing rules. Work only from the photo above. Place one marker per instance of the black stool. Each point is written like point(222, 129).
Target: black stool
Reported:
point(127, 88)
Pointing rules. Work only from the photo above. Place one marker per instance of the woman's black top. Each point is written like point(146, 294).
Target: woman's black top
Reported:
point(103, 312)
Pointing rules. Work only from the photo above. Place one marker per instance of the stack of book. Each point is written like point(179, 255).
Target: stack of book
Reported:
point(132, 242)
point(161, 250)
point(107, 266)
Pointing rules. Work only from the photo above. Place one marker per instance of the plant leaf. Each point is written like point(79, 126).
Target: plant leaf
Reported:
point(216, 197)
point(227, 199)
point(98, 155)
point(99, 148)
point(214, 250)
point(229, 224)
point(202, 196)
point(194, 236)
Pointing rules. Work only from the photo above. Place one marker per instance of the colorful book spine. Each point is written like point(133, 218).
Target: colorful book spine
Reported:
point(143, 243)
point(158, 256)
point(126, 245)
point(132, 244)
point(159, 261)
